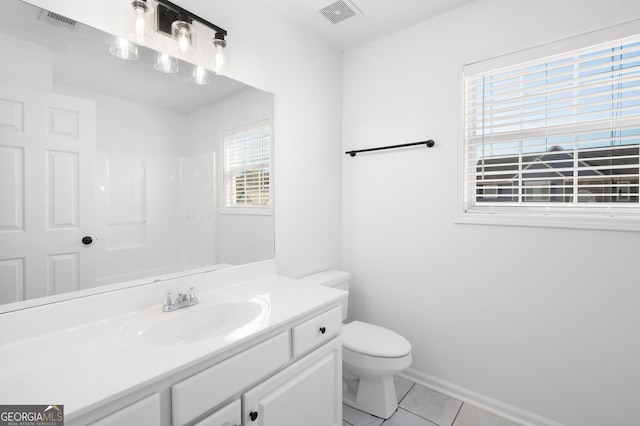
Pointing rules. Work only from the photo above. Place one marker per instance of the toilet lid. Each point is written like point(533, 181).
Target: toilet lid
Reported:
point(369, 339)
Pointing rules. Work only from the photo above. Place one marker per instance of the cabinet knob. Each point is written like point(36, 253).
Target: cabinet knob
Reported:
point(323, 330)
point(253, 416)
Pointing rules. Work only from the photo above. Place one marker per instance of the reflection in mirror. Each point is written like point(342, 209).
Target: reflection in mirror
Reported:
point(95, 146)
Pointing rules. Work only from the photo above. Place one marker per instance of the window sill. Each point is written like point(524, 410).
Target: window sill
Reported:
point(255, 211)
point(612, 223)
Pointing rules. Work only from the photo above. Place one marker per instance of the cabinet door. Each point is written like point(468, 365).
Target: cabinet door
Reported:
point(309, 392)
point(230, 415)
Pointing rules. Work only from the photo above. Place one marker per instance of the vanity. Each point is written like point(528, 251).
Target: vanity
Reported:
point(257, 349)
point(137, 195)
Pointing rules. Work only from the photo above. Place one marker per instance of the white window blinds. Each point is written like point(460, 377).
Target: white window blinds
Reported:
point(247, 166)
point(557, 135)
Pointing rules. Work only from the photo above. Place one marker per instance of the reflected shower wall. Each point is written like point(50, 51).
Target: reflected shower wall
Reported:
point(155, 196)
point(155, 214)
point(199, 210)
point(158, 179)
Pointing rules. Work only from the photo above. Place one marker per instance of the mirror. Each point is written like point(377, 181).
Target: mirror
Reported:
point(95, 146)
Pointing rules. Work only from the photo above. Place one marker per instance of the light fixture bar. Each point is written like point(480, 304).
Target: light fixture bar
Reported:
point(220, 33)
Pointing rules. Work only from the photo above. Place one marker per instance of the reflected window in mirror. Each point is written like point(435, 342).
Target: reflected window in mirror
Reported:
point(247, 168)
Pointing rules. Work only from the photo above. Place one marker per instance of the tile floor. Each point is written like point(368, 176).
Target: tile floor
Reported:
point(420, 406)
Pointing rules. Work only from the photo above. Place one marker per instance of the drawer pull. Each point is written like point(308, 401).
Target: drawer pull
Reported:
point(253, 416)
point(323, 330)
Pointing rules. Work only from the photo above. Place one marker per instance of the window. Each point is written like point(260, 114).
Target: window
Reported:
point(537, 191)
point(555, 137)
point(247, 168)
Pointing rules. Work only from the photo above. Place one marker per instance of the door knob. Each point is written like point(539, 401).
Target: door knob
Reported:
point(253, 416)
point(87, 240)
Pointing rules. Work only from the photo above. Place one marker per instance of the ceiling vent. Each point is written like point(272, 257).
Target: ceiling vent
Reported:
point(59, 20)
point(338, 11)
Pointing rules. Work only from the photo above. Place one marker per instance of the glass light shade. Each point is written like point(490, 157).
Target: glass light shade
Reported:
point(140, 23)
point(183, 34)
point(200, 75)
point(219, 56)
point(122, 48)
point(165, 63)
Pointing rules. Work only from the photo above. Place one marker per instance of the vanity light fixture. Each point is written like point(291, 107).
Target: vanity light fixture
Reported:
point(140, 23)
point(179, 23)
point(122, 48)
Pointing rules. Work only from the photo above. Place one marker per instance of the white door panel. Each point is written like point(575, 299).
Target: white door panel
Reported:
point(47, 162)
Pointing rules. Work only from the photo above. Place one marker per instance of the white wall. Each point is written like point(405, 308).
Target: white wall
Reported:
point(36, 71)
point(241, 238)
point(268, 51)
point(542, 320)
point(207, 124)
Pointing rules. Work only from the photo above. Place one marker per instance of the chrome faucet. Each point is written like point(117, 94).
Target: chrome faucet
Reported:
point(182, 300)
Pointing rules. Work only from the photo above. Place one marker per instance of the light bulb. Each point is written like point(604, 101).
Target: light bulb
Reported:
point(200, 75)
point(166, 63)
point(183, 42)
point(123, 48)
point(219, 61)
point(219, 54)
point(183, 34)
point(140, 22)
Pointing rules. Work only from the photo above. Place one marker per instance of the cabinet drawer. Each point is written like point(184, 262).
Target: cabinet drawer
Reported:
point(230, 415)
point(196, 395)
point(316, 331)
point(144, 412)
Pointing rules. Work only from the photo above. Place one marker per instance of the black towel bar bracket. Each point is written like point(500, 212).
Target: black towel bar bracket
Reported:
point(428, 143)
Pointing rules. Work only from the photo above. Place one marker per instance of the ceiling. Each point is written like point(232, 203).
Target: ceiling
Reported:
point(379, 17)
point(75, 51)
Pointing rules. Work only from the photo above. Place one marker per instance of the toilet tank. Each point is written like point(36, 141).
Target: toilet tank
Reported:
point(333, 278)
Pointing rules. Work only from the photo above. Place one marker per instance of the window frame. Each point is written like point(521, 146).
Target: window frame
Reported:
point(257, 209)
point(572, 217)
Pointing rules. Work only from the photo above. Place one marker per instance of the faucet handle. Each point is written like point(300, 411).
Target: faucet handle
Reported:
point(192, 294)
point(168, 299)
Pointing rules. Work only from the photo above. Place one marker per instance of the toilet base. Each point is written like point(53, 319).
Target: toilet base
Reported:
point(375, 396)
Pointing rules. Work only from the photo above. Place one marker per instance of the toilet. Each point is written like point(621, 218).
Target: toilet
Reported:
point(371, 356)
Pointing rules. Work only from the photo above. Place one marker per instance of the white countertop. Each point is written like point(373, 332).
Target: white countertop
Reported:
point(93, 363)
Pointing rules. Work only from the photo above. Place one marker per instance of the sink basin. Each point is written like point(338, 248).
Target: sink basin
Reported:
point(199, 322)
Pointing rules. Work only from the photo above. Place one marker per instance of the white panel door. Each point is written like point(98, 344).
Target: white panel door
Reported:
point(47, 207)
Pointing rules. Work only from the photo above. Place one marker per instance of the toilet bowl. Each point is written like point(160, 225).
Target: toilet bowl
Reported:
point(371, 356)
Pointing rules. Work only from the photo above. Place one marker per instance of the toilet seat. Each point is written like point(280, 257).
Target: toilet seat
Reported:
point(372, 340)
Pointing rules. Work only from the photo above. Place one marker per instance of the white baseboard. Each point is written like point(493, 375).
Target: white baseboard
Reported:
point(509, 412)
